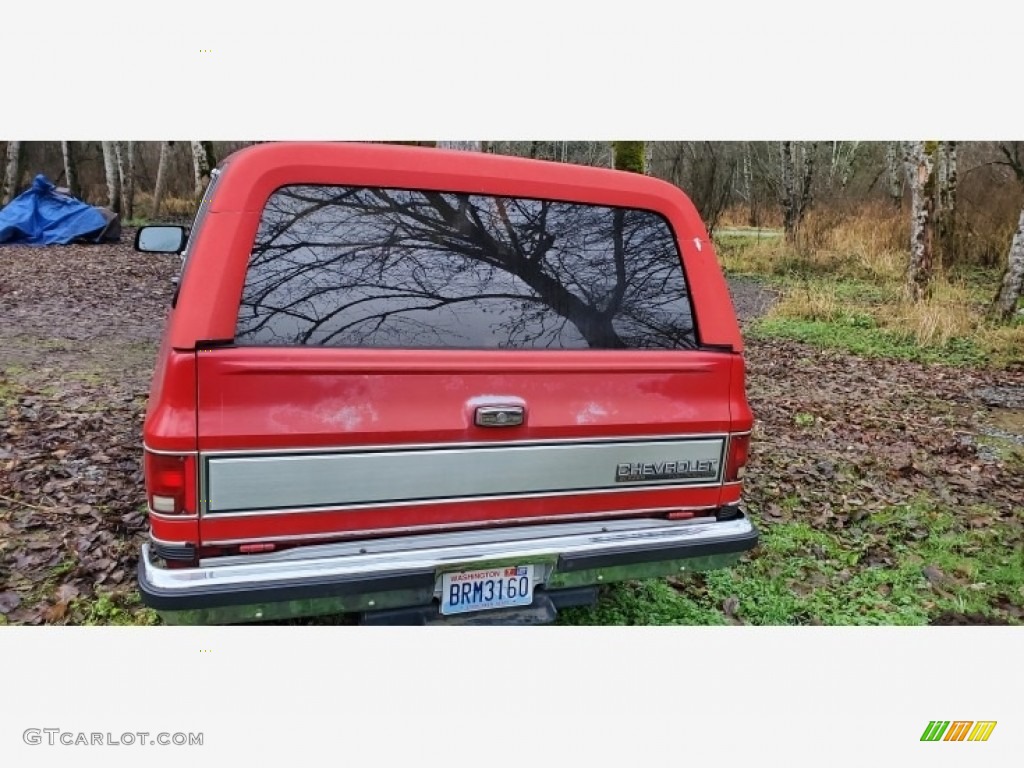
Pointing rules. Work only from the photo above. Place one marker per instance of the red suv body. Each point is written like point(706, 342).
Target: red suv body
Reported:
point(430, 386)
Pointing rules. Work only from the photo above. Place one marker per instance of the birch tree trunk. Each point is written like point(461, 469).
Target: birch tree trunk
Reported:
point(748, 184)
point(907, 155)
point(847, 169)
point(807, 183)
point(946, 203)
point(11, 172)
point(110, 170)
point(892, 162)
point(1005, 304)
point(797, 192)
point(788, 190)
point(947, 190)
point(596, 153)
point(628, 156)
point(125, 153)
point(121, 158)
point(940, 177)
point(200, 168)
point(161, 177)
point(128, 182)
point(951, 176)
point(922, 222)
point(70, 167)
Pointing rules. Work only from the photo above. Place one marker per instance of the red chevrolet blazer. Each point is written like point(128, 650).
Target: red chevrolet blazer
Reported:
point(427, 386)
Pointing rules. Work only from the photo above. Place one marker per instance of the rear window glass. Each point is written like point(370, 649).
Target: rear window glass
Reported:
point(369, 267)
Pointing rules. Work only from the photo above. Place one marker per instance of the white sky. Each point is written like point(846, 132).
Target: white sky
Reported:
point(462, 69)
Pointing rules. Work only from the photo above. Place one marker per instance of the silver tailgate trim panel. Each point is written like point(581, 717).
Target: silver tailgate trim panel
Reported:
point(244, 482)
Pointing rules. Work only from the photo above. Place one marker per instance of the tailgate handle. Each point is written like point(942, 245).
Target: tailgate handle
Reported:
point(500, 415)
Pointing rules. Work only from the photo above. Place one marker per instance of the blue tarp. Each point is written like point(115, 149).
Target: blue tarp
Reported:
point(43, 216)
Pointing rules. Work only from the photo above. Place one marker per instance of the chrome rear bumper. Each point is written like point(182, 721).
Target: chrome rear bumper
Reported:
point(406, 571)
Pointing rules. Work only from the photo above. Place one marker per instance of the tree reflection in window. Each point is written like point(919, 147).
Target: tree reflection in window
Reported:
point(367, 267)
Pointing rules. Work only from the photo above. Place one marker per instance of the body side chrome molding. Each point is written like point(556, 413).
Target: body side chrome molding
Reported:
point(159, 452)
point(170, 518)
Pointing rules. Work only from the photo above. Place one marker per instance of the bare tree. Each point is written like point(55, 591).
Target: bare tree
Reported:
point(788, 189)
point(113, 178)
point(11, 174)
point(893, 152)
point(125, 152)
point(706, 170)
point(796, 193)
point(945, 208)
point(201, 164)
point(1005, 304)
point(748, 185)
point(844, 155)
point(807, 181)
point(922, 222)
point(68, 150)
point(469, 146)
point(947, 176)
point(161, 177)
point(1012, 159)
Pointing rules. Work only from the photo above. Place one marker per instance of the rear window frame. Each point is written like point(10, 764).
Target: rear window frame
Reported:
point(699, 345)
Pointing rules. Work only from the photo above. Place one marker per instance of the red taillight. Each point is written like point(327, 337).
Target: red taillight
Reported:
point(248, 549)
point(170, 483)
point(680, 515)
point(739, 447)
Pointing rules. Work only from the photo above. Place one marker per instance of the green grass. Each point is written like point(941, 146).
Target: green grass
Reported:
point(858, 335)
point(804, 419)
point(9, 393)
point(109, 609)
point(873, 572)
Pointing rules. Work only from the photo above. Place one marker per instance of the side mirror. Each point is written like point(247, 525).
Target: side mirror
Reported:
point(161, 239)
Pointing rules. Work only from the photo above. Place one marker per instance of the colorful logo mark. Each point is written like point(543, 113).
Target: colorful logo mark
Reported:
point(958, 730)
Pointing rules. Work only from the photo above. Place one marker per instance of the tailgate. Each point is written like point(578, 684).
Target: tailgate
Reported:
point(374, 323)
point(316, 443)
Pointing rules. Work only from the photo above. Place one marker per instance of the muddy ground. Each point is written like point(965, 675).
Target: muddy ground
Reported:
point(79, 328)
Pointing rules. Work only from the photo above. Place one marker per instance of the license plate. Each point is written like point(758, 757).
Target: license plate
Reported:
point(487, 588)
